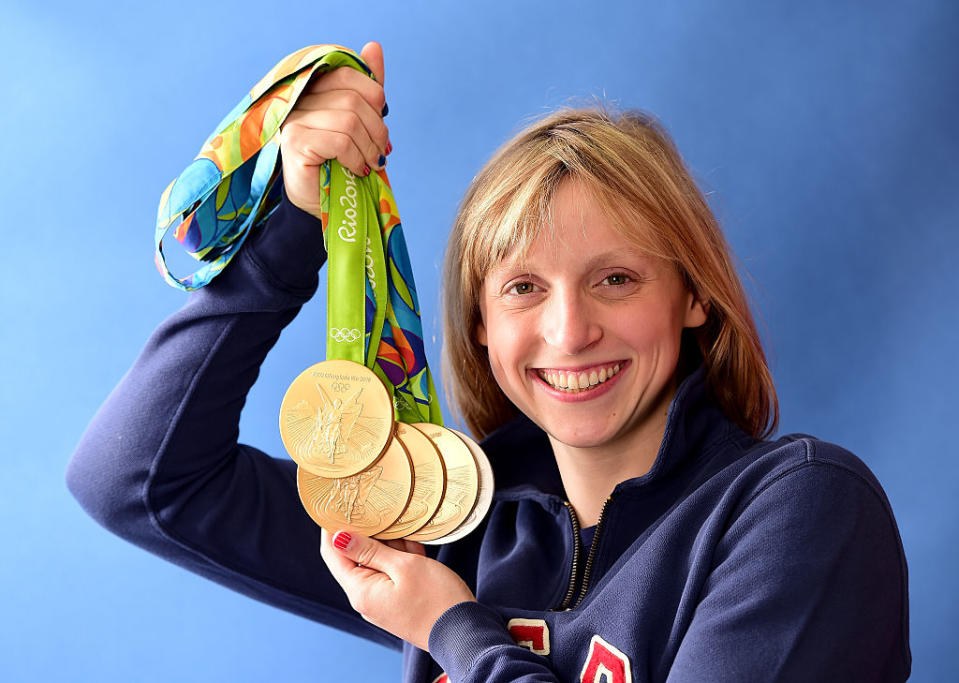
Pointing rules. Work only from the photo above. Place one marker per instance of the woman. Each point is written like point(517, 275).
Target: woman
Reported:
point(598, 337)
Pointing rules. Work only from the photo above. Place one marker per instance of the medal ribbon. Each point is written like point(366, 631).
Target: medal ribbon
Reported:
point(230, 188)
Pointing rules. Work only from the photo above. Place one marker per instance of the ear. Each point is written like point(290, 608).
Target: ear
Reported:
point(480, 334)
point(696, 311)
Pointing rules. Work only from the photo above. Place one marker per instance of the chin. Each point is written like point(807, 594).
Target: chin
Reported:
point(583, 436)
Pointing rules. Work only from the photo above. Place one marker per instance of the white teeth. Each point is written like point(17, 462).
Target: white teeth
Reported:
point(571, 381)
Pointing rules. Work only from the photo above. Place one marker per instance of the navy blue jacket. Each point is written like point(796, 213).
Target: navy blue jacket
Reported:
point(731, 560)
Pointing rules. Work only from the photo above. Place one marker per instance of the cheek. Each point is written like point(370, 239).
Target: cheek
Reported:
point(657, 330)
point(505, 351)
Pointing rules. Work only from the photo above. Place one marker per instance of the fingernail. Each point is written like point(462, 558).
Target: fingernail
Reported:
point(341, 540)
point(381, 161)
point(386, 109)
point(366, 169)
point(389, 146)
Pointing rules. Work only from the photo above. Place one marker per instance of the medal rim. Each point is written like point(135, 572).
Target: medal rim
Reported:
point(483, 499)
point(386, 534)
point(425, 538)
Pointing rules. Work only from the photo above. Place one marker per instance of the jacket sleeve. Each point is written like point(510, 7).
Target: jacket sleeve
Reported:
point(809, 583)
point(160, 464)
point(471, 643)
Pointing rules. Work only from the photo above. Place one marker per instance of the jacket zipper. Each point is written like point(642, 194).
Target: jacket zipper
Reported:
point(568, 603)
point(592, 552)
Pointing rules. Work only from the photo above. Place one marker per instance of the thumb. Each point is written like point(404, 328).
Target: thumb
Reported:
point(372, 54)
point(367, 552)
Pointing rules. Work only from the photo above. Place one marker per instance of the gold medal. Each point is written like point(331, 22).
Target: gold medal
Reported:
point(367, 502)
point(462, 483)
point(483, 498)
point(429, 482)
point(336, 418)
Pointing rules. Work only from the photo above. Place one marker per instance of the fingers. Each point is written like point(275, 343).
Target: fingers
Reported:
point(414, 548)
point(346, 112)
point(370, 553)
point(346, 78)
point(310, 149)
point(340, 565)
point(354, 559)
point(410, 547)
point(372, 54)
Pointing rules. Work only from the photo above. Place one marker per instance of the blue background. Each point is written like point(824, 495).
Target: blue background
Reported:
point(825, 135)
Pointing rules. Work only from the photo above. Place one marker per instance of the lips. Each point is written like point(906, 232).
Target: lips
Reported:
point(574, 381)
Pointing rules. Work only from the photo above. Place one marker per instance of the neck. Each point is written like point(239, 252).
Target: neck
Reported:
point(590, 474)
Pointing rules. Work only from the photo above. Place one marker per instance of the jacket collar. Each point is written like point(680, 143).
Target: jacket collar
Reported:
point(524, 466)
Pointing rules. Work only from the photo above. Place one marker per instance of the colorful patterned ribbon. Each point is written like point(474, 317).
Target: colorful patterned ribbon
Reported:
point(230, 188)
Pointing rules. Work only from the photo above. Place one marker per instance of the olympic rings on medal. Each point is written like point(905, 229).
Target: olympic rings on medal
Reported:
point(344, 335)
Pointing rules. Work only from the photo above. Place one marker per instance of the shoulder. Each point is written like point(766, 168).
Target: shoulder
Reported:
point(802, 551)
point(811, 470)
point(811, 497)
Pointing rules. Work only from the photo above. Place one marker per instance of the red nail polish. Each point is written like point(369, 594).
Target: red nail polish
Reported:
point(341, 539)
point(366, 169)
point(389, 147)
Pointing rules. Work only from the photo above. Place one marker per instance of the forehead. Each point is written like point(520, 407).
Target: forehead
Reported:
point(576, 225)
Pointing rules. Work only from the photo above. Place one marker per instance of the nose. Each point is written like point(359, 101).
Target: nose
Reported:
point(569, 325)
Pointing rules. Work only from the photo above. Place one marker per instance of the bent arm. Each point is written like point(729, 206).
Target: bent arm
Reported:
point(160, 464)
point(808, 584)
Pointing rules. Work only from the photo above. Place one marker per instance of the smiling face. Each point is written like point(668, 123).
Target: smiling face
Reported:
point(583, 332)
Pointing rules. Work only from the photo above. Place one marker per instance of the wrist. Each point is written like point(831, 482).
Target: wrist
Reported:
point(289, 246)
point(462, 633)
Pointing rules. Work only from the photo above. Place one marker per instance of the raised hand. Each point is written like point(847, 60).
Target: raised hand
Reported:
point(339, 116)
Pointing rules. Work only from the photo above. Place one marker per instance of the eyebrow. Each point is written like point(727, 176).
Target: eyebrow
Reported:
point(521, 263)
point(612, 254)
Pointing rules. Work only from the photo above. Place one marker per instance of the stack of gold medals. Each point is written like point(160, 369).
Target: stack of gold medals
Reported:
point(360, 470)
point(364, 426)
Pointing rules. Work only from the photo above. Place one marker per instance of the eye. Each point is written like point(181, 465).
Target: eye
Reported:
point(524, 287)
point(616, 279)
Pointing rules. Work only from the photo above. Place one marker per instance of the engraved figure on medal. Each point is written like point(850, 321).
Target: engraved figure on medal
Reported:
point(336, 420)
point(364, 500)
point(351, 493)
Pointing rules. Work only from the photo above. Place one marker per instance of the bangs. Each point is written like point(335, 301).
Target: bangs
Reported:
point(511, 216)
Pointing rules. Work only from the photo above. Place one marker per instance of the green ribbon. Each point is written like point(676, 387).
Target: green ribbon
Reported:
point(348, 237)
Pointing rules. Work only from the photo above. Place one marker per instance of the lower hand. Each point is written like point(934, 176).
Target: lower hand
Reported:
point(338, 116)
point(393, 585)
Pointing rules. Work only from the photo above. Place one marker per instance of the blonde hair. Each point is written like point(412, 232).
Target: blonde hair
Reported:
point(627, 163)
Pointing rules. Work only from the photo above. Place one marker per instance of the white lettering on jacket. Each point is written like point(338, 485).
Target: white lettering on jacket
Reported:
point(605, 661)
point(533, 634)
